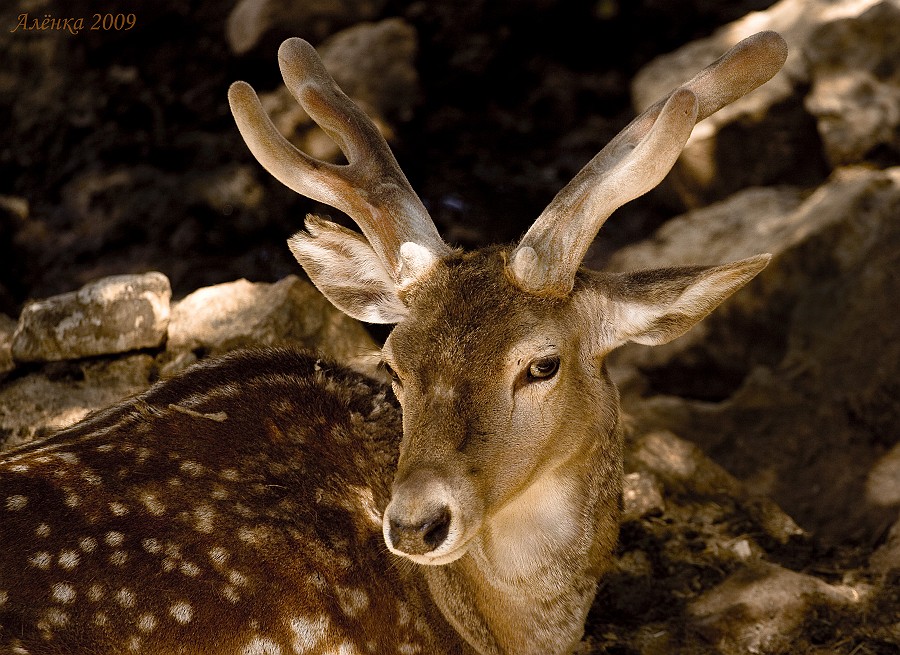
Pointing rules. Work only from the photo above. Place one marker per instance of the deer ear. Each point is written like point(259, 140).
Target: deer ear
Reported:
point(343, 266)
point(654, 307)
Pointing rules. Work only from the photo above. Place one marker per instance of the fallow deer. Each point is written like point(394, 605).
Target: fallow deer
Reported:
point(269, 502)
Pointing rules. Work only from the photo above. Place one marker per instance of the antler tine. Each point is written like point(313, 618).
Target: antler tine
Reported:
point(636, 160)
point(370, 188)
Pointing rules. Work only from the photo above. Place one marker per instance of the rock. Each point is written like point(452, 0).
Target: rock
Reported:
point(113, 315)
point(815, 239)
point(374, 64)
point(7, 329)
point(883, 482)
point(64, 393)
point(817, 379)
point(843, 50)
point(762, 607)
point(887, 557)
point(685, 470)
point(641, 496)
point(241, 314)
point(315, 19)
point(855, 93)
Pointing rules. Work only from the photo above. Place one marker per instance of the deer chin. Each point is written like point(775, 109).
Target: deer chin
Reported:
point(436, 558)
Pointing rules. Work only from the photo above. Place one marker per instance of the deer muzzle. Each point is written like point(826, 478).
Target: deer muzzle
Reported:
point(424, 520)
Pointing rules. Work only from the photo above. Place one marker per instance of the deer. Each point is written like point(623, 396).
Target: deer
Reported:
point(271, 502)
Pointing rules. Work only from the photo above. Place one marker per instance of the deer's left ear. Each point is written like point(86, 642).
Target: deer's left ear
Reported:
point(656, 306)
point(343, 266)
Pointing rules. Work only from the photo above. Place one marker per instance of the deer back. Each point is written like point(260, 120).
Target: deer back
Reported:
point(236, 508)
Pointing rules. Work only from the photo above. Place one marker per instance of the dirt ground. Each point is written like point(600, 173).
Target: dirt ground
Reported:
point(108, 140)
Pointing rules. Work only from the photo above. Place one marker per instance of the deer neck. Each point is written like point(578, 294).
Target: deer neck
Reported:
point(527, 582)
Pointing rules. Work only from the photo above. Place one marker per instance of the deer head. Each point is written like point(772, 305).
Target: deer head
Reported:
point(510, 444)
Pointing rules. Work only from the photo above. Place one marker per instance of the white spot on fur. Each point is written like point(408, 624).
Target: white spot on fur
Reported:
point(409, 649)
point(182, 612)
point(118, 558)
point(261, 646)
point(118, 509)
point(151, 545)
point(352, 601)
point(56, 617)
point(232, 475)
point(69, 559)
point(62, 592)
point(230, 593)
point(237, 578)
point(147, 622)
point(114, 538)
point(249, 535)
point(142, 455)
point(134, 644)
point(218, 555)
point(88, 544)
point(41, 560)
point(153, 505)
point(189, 569)
point(204, 519)
point(101, 619)
point(72, 499)
point(192, 468)
point(43, 530)
point(219, 492)
point(403, 615)
point(67, 457)
point(91, 478)
point(308, 633)
point(125, 597)
point(4, 597)
point(95, 592)
point(19, 468)
point(15, 503)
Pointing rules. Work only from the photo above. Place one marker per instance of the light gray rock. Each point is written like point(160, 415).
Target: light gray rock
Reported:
point(113, 315)
point(217, 319)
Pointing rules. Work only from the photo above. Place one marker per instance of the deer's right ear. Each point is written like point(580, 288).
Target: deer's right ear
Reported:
point(343, 266)
point(656, 306)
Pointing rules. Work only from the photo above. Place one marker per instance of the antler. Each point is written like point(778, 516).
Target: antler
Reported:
point(371, 188)
point(635, 161)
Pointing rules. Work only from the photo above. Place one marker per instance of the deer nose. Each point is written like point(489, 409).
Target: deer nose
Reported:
point(420, 536)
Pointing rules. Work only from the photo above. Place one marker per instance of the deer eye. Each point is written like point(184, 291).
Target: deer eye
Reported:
point(543, 368)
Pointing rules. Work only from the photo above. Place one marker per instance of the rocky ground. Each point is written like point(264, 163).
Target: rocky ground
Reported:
point(764, 466)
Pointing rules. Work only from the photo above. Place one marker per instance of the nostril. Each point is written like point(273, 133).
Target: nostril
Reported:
point(435, 532)
point(422, 537)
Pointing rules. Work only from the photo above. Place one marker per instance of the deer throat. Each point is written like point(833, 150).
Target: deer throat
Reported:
point(527, 583)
